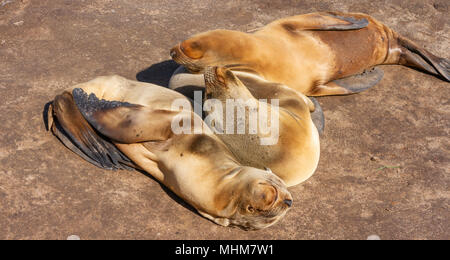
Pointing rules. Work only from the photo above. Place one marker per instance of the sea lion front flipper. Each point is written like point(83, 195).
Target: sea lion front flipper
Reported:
point(329, 89)
point(326, 22)
point(69, 126)
point(317, 116)
point(124, 122)
point(182, 78)
point(186, 83)
point(361, 82)
point(350, 85)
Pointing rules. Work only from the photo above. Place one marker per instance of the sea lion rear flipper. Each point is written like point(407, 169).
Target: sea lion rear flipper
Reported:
point(326, 22)
point(69, 126)
point(124, 122)
point(416, 57)
point(317, 116)
point(59, 132)
point(350, 85)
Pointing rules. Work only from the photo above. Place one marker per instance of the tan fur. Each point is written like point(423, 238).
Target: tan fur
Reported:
point(294, 158)
point(306, 52)
point(197, 167)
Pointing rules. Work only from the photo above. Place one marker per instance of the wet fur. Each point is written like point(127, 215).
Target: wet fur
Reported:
point(295, 157)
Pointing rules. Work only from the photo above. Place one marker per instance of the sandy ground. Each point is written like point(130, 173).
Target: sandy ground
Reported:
point(47, 192)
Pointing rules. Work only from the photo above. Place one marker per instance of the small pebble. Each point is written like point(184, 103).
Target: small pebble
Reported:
point(374, 159)
point(73, 237)
point(3, 3)
point(373, 237)
point(18, 23)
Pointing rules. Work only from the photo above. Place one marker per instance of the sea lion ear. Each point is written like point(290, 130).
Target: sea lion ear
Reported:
point(124, 122)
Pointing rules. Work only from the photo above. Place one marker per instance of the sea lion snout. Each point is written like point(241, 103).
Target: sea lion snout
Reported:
point(285, 199)
point(174, 53)
point(288, 202)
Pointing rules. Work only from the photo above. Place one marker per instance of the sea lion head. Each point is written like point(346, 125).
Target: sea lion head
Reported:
point(214, 48)
point(222, 83)
point(254, 199)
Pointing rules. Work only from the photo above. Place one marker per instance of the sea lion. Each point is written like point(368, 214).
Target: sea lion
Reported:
point(187, 84)
point(294, 154)
point(117, 123)
point(307, 52)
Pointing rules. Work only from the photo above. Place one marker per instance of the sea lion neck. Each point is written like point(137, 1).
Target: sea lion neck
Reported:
point(226, 198)
point(222, 84)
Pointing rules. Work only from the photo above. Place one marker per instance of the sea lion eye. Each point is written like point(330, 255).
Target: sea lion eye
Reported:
point(195, 45)
point(265, 196)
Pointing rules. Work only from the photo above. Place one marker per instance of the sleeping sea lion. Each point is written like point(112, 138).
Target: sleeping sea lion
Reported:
point(117, 123)
point(187, 84)
point(294, 153)
point(308, 52)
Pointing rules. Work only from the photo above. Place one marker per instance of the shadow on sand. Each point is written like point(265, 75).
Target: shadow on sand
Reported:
point(159, 73)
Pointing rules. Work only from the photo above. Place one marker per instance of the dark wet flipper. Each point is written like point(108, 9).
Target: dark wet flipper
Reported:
point(317, 116)
point(75, 133)
point(416, 57)
point(325, 22)
point(123, 122)
point(361, 82)
point(352, 23)
point(446, 66)
point(59, 132)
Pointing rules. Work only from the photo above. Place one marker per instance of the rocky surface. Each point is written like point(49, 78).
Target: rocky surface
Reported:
point(385, 159)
